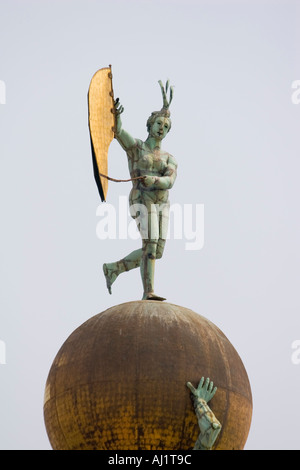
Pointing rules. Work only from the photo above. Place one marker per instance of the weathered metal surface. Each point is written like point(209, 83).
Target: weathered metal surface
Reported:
point(101, 124)
point(119, 381)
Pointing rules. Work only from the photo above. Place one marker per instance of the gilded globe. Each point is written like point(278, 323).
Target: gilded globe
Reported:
point(119, 382)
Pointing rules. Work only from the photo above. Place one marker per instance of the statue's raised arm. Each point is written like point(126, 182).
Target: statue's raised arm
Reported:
point(122, 136)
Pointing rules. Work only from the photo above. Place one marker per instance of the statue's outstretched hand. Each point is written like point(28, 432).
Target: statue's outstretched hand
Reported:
point(123, 137)
point(205, 389)
point(209, 426)
point(118, 107)
point(118, 110)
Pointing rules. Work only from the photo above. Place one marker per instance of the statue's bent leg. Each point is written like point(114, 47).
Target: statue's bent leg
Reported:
point(113, 270)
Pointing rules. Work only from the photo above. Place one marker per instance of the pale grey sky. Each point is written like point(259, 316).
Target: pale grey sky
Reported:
point(235, 135)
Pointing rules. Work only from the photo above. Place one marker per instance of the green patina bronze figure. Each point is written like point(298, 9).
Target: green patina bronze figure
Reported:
point(209, 426)
point(153, 173)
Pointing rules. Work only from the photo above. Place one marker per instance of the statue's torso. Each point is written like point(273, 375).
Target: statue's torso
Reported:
point(144, 161)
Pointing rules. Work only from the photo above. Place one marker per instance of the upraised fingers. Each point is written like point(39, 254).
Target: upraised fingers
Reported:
point(201, 383)
point(213, 392)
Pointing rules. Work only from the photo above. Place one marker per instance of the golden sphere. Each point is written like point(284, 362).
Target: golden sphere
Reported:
point(119, 382)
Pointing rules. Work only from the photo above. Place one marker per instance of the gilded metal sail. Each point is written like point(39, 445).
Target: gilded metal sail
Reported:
point(101, 124)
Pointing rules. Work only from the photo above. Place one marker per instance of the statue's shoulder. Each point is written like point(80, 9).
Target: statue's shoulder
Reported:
point(135, 150)
point(138, 145)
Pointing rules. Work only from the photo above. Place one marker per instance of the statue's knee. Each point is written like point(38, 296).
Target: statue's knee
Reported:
point(150, 250)
point(160, 249)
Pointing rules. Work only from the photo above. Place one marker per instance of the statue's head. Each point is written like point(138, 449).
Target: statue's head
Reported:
point(162, 117)
point(157, 117)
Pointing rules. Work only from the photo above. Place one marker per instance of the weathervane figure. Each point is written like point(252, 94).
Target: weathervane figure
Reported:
point(152, 172)
point(150, 194)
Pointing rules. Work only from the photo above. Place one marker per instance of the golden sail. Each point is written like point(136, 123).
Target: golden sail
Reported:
point(101, 124)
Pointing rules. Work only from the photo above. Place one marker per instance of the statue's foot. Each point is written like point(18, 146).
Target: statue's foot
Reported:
point(110, 276)
point(153, 296)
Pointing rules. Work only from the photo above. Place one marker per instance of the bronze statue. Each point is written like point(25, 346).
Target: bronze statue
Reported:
point(153, 173)
point(209, 426)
